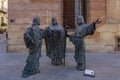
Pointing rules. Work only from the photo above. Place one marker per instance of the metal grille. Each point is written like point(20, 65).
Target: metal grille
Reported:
point(69, 13)
point(117, 43)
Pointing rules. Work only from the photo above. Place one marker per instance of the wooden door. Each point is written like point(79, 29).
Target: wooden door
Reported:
point(69, 13)
point(84, 9)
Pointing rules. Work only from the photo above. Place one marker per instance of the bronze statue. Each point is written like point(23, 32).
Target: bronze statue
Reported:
point(33, 41)
point(55, 42)
point(82, 30)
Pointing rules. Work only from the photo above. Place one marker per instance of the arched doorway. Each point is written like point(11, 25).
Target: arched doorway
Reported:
point(72, 9)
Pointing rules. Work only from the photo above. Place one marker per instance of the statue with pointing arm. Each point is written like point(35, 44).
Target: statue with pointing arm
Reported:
point(82, 30)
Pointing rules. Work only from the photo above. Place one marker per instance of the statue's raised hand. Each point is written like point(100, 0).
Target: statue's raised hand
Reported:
point(98, 21)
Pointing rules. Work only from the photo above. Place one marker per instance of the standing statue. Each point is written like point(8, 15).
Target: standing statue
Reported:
point(33, 41)
point(82, 30)
point(55, 42)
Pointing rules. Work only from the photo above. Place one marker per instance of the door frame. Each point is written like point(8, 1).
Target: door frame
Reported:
point(85, 11)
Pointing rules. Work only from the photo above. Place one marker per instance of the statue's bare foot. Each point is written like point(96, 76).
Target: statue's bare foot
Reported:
point(36, 71)
point(28, 74)
point(80, 67)
point(25, 75)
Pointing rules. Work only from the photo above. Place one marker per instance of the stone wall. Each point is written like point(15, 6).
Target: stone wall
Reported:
point(21, 13)
point(104, 38)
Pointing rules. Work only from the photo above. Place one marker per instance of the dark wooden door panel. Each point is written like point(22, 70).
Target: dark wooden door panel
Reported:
point(69, 13)
point(84, 9)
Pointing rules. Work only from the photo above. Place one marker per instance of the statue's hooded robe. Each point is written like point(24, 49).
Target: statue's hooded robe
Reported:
point(33, 41)
point(55, 43)
point(77, 39)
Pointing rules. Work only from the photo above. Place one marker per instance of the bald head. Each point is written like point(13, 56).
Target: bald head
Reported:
point(80, 20)
point(54, 20)
point(36, 20)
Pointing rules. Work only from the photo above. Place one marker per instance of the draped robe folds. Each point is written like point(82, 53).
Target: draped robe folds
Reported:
point(78, 40)
point(55, 43)
point(33, 41)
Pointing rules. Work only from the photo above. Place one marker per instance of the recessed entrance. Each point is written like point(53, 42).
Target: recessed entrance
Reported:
point(72, 9)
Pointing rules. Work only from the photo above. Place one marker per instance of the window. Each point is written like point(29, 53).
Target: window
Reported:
point(72, 9)
point(69, 13)
point(117, 43)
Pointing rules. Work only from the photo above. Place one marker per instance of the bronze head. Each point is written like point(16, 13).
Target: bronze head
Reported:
point(80, 20)
point(54, 21)
point(36, 20)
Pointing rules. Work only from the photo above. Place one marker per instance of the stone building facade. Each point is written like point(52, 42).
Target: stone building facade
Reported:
point(21, 13)
point(3, 11)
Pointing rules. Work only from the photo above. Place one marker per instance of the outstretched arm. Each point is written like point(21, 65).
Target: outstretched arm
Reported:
point(98, 21)
point(92, 27)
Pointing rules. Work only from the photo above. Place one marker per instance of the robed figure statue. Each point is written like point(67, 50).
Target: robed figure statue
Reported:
point(55, 42)
point(33, 41)
point(81, 31)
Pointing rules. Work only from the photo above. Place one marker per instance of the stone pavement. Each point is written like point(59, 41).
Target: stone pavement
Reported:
point(106, 66)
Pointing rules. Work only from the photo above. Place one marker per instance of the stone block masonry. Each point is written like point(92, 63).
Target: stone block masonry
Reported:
point(21, 13)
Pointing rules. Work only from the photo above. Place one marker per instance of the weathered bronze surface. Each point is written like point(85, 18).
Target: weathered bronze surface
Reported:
point(55, 42)
point(82, 30)
point(33, 41)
